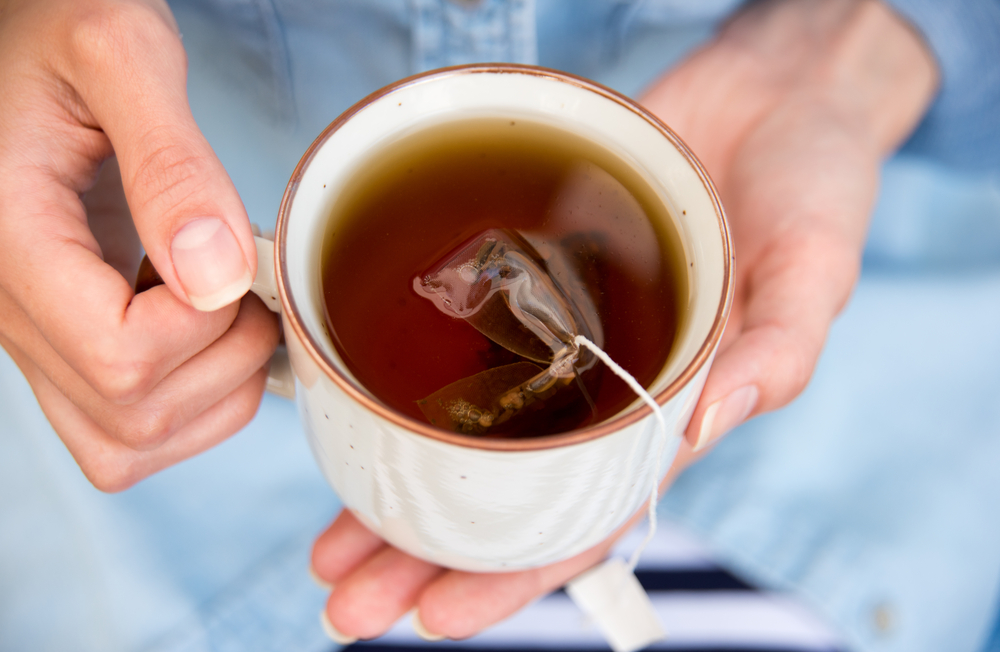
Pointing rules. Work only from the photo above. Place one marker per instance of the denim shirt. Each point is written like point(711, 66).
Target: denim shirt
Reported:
point(850, 497)
point(962, 128)
point(370, 44)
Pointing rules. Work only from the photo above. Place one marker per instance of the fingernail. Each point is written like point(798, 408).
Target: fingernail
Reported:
point(210, 263)
point(320, 582)
point(725, 414)
point(331, 631)
point(422, 631)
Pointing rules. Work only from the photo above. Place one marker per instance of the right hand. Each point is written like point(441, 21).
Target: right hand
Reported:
point(131, 383)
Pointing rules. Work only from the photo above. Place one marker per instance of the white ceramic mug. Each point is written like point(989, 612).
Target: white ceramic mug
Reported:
point(485, 504)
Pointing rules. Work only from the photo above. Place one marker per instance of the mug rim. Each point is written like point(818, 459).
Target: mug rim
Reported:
point(581, 435)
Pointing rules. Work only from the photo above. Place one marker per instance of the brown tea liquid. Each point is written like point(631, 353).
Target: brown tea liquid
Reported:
point(424, 194)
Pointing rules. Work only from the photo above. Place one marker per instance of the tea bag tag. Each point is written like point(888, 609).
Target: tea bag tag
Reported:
point(610, 594)
point(611, 597)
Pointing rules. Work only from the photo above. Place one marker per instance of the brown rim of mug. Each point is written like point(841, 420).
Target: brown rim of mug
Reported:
point(528, 443)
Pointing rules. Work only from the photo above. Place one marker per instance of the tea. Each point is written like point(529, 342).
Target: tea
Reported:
point(590, 220)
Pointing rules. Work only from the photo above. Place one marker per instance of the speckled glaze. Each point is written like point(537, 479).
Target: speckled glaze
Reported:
point(481, 504)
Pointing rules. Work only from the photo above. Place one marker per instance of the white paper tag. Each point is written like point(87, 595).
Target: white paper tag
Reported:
point(611, 596)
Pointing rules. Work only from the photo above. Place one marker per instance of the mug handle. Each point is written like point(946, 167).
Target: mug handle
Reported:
point(280, 379)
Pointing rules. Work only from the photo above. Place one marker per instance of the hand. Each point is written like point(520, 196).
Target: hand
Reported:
point(131, 383)
point(374, 584)
point(791, 108)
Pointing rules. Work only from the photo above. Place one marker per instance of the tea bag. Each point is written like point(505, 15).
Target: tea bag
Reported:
point(495, 283)
point(498, 284)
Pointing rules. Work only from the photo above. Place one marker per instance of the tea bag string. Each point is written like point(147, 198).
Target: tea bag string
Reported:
point(580, 340)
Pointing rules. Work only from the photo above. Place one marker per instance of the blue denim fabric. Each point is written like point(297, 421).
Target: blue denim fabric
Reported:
point(870, 494)
point(963, 126)
point(208, 555)
point(874, 494)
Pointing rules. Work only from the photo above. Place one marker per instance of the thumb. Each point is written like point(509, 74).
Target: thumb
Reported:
point(782, 319)
point(130, 70)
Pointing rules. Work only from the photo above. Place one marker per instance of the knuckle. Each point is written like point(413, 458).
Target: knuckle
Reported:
point(248, 399)
point(799, 375)
point(104, 33)
point(798, 360)
point(118, 380)
point(783, 359)
point(169, 172)
point(118, 388)
point(145, 428)
point(262, 331)
point(111, 473)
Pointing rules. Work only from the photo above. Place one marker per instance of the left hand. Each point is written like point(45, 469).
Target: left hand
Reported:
point(791, 108)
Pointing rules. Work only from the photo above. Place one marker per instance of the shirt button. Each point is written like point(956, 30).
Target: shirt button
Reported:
point(883, 618)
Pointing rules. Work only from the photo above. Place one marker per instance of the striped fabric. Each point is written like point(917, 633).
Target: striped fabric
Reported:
point(703, 607)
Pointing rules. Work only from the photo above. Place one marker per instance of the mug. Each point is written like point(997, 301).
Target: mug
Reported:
point(483, 504)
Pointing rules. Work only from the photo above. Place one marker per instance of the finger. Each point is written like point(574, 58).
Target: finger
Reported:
point(122, 344)
point(111, 466)
point(795, 290)
point(367, 601)
point(460, 604)
point(187, 212)
point(52, 268)
point(111, 222)
point(344, 546)
point(190, 389)
point(127, 60)
point(456, 604)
